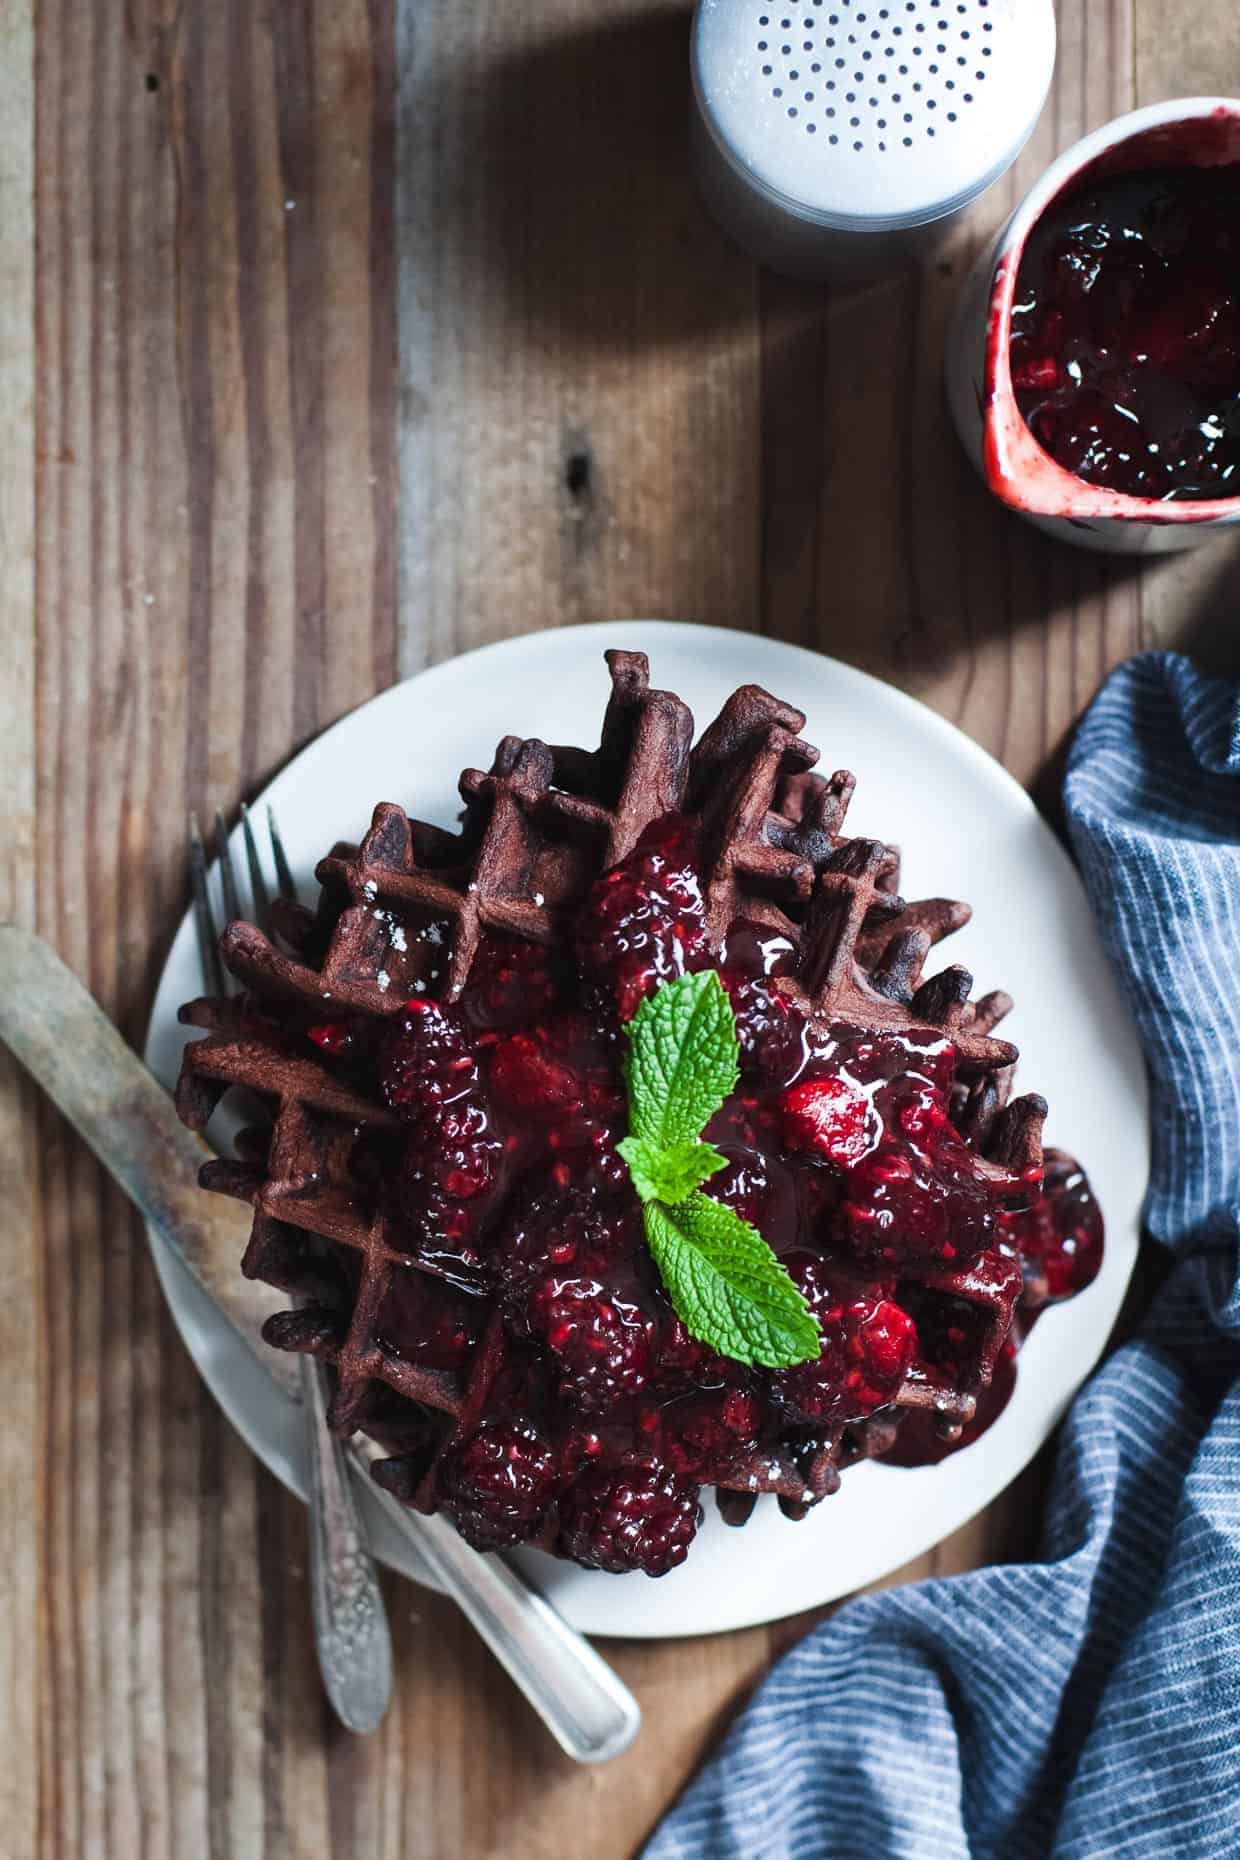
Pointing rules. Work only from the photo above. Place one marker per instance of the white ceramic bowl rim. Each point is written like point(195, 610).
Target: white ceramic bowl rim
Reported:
point(1018, 470)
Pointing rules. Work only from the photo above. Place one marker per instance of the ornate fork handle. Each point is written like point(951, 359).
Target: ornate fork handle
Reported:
point(350, 1622)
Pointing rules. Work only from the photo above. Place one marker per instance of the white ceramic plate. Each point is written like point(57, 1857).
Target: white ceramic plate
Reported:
point(967, 830)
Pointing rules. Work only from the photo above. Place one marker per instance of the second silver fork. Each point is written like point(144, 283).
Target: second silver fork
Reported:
point(351, 1631)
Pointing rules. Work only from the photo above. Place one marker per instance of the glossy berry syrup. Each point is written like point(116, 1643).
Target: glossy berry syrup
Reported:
point(1125, 334)
point(1058, 1237)
point(607, 1417)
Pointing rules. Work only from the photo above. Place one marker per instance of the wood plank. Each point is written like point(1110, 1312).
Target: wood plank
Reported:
point(124, 1672)
point(216, 573)
point(1187, 49)
point(22, 1475)
point(579, 395)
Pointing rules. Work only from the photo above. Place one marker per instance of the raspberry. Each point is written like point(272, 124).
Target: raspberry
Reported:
point(498, 1483)
point(644, 922)
point(599, 1342)
point(868, 1345)
point(639, 1517)
point(529, 1080)
point(832, 1118)
point(702, 1435)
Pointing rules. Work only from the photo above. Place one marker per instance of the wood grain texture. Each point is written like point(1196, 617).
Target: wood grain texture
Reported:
point(579, 344)
point(23, 1700)
point(335, 337)
point(215, 428)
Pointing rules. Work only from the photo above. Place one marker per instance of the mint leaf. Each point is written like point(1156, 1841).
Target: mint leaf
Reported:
point(682, 1060)
point(727, 1286)
point(669, 1174)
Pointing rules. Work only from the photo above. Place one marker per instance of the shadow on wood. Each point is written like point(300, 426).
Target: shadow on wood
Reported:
point(880, 542)
point(566, 193)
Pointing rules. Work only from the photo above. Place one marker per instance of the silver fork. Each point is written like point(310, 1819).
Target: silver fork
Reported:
point(351, 1631)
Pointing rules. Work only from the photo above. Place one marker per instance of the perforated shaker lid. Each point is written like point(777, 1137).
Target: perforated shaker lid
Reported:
point(866, 116)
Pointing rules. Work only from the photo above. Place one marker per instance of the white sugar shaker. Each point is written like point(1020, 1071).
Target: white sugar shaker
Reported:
point(838, 139)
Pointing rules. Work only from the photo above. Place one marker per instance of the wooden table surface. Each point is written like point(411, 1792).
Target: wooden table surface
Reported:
point(337, 337)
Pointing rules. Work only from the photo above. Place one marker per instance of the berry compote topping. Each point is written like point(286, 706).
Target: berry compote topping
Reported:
point(427, 1323)
point(498, 1483)
point(639, 1517)
point(1125, 336)
point(1058, 1237)
point(869, 1344)
point(598, 1339)
point(919, 1442)
point(645, 921)
point(452, 1160)
point(522, 1227)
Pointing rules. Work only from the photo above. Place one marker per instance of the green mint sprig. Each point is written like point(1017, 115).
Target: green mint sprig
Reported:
point(726, 1285)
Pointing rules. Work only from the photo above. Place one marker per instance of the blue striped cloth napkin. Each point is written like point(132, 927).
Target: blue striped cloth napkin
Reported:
point(1085, 1707)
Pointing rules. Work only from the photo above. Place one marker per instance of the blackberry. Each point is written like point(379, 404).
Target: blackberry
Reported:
point(682, 1359)
point(631, 1517)
point(585, 1149)
point(910, 1204)
point(599, 1341)
point(451, 1154)
point(549, 1225)
point(644, 922)
point(498, 1483)
point(772, 1034)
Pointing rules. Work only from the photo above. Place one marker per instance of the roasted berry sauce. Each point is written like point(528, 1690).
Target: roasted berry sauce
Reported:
point(1125, 335)
point(525, 1239)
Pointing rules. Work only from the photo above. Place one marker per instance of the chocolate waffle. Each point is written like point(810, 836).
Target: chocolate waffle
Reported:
point(407, 974)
